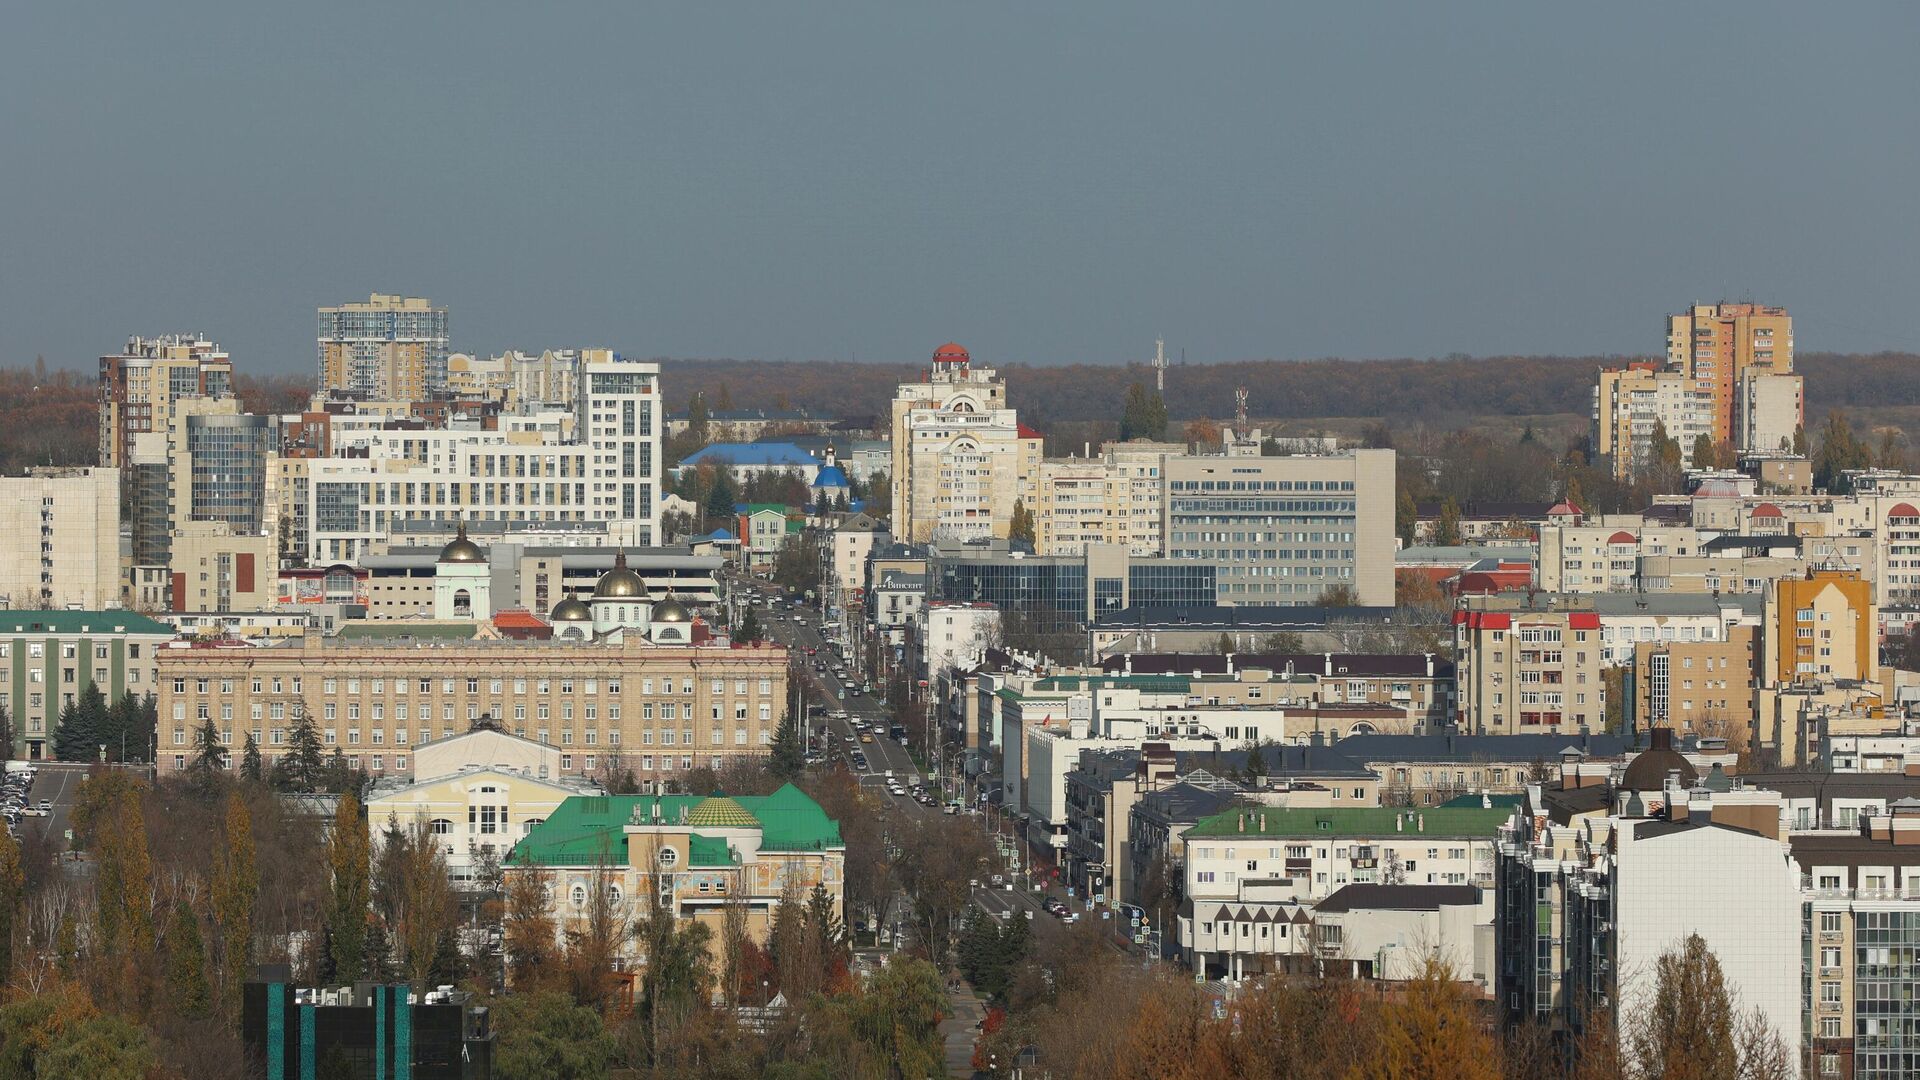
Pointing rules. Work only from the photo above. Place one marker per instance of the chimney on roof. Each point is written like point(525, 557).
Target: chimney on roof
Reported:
point(1243, 822)
point(1399, 823)
point(1127, 665)
point(1329, 668)
point(1420, 823)
point(1429, 657)
point(1229, 665)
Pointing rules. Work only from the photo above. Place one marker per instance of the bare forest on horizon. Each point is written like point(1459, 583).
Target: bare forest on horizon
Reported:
point(49, 417)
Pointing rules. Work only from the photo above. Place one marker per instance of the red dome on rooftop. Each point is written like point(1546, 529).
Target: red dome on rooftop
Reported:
point(1903, 510)
point(1622, 537)
point(950, 353)
point(1767, 510)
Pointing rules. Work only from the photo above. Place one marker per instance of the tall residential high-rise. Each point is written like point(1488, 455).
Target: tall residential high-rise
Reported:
point(60, 539)
point(139, 386)
point(1715, 344)
point(1728, 375)
point(391, 348)
point(618, 414)
point(961, 457)
point(1629, 402)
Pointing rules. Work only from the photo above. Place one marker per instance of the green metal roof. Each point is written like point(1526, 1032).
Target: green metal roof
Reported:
point(586, 828)
point(708, 851)
point(81, 622)
point(1358, 821)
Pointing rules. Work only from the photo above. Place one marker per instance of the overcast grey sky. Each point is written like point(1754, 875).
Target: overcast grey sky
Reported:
point(1042, 182)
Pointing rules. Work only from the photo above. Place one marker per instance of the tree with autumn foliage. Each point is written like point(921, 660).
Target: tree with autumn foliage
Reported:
point(347, 870)
point(235, 889)
point(1432, 1030)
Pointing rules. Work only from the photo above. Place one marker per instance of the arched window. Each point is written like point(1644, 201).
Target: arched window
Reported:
point(579, 895)
point(668, 858)
point(529, 825)
point(613, 894)
point(440, 826)
point(462, 603)
point(1363, 728)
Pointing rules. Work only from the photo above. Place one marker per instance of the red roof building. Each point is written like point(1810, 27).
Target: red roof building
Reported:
point(521, 625)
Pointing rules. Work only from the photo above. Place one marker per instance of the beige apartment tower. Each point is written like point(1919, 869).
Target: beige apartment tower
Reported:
point(391, 348)
point(961, 457)
point(60, 539)
point(140, 386)
point(1714, 345)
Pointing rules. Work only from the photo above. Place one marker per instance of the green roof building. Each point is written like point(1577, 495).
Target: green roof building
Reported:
point(51, 657)
point(701, 856)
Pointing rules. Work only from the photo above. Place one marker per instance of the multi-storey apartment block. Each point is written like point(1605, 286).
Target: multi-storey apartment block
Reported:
point(1862, 945)
point(391, 347)
point(1251, 873)
point(60, 539)
point(525, 468)
point(1595, 883)
point(1821, 628)
point(1527, 671)
point(961, 457)
point(138, 388)
point(1717, 345)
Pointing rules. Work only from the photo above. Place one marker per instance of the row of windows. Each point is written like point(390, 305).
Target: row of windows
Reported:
point(567, 685)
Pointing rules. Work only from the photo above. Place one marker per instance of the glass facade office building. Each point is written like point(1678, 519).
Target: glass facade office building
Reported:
point(1081, 587)
point(228, 459)
point(1284, 530)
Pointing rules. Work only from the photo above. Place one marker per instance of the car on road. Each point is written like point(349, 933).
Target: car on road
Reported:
point(866, 736)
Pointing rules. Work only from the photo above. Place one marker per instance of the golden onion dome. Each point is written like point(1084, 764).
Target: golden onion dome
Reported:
point(461, 549)
point(569, 609)
point(620, 583)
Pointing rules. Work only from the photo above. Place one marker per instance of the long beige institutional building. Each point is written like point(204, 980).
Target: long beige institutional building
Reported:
point(662, 709)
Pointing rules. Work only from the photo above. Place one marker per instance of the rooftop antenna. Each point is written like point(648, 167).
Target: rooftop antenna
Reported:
point(1160, 366)
point(1240, 410)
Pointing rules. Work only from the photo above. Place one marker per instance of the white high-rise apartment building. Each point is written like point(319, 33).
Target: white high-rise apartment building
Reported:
point(595, 462)
point(619, 416)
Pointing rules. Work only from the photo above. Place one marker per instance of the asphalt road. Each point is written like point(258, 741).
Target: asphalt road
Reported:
point(58, 783)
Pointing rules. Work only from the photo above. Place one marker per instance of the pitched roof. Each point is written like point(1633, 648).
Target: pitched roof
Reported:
point(753, 453)
point(1464, 748)
point(1185, 802)
point(1399, 897)
point(518, 619)
point(1361, 821)
point(585, 829)
point(720, 812)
